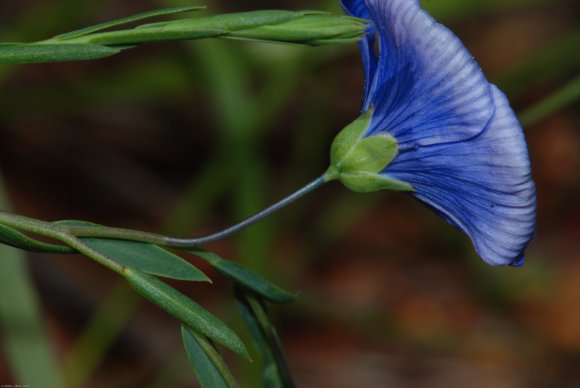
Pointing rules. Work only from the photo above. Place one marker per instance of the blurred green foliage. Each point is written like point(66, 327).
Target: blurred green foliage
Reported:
point(250, 122)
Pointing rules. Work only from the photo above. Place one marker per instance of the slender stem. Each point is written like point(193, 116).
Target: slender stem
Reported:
point(187, 243)
point(57, 232)
point(100, 258)
point(42, 228)
point(68, 234)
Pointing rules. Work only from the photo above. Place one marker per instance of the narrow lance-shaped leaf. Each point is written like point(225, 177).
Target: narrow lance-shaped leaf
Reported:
point(16, 239)
point(185, 309)
point(245, 277)
point(20, 53)
point(126, 20)
point(209, 366)
point(141, 256)
point(276, 373)
point(148, 258)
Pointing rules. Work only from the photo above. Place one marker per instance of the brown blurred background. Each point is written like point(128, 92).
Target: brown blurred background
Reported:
point(187, 138)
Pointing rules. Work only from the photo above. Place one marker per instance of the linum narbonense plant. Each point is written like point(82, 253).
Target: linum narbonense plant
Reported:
point(431, 125)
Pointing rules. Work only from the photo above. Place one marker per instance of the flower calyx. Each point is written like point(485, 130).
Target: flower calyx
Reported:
point(357, 160)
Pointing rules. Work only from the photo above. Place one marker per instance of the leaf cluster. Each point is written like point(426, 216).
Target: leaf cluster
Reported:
point(144, 265)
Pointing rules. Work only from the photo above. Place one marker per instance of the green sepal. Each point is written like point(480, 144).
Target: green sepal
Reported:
point(357, 160)
point(365, 182)
point(208, 364)
point(370, 154)
point(347, 139)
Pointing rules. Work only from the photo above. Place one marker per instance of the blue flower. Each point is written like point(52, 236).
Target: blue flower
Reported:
point(458, 146)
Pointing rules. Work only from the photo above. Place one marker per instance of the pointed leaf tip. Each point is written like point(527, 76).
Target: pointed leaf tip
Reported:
point(209, 366)
point(186, 310)
point(245, 277)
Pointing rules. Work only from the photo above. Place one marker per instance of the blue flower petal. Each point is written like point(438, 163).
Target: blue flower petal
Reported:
point(425, 79)
point(356, 8)
point(359, 9)
point(483, 185)
point(461, 147)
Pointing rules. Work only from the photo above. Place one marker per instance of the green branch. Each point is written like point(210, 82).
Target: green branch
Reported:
point(311, 28)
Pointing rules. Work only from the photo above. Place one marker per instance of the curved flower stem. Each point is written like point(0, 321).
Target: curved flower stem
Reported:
point(186, 243)
point(68, 234)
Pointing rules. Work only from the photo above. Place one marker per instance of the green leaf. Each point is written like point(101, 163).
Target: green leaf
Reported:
point(147, 258)
point(209, 366)
point(16, 239)
point(27, 348)
point(306, 27)
point(184, 309)
point(126, 20)
point(142, 256)
point(245, 277)
point(14, 54)
point(276, 373)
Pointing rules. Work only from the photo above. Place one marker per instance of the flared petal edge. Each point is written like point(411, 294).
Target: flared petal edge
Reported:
point(483, 186)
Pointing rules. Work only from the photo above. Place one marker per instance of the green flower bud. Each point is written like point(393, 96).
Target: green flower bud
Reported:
point(306, 27)
point(293, 27)
point(357, 160)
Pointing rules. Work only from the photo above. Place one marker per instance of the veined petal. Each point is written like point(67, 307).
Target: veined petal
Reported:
point(358, 8)
point(482, 185)
point(426, 89)
point(460, 146)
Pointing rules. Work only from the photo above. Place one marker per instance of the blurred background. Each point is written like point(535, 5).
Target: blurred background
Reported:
point(187, 138)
